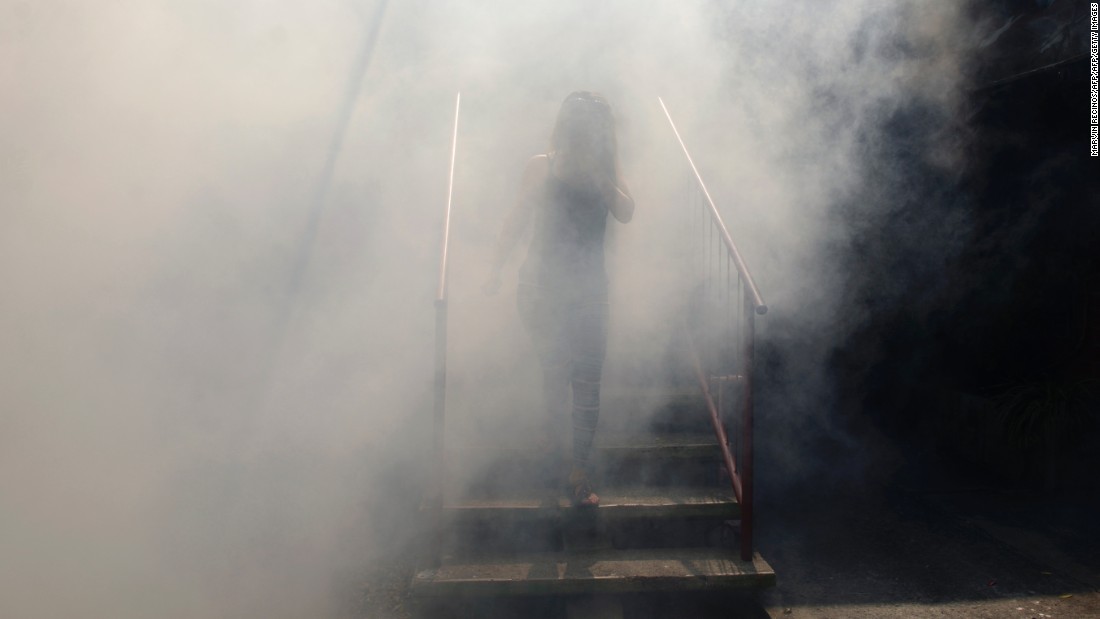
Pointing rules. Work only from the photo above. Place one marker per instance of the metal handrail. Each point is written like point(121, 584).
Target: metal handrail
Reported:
point(715, 420)
point(440, 387)
point(441, 291)
point(757, 300)
point(741, 480)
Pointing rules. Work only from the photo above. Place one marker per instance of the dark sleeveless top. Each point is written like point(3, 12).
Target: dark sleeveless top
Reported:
point(566, 254)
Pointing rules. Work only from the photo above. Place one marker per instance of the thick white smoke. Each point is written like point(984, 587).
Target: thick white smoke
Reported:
point(184, 431)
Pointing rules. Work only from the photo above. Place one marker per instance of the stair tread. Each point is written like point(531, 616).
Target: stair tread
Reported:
point(682, 444)
point(645, 438)
point(621, 390)
point(605, 441)
point(610, 498)
point(616, 503)
point(602, 570)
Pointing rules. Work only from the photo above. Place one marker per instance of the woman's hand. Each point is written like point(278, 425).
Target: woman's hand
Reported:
point(578, 169)
point(618, 200)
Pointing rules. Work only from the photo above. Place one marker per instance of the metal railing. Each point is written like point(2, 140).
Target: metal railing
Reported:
point(720, 329)
point(440, 386)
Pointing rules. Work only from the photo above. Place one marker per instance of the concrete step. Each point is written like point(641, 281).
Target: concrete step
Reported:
point(616, 504)
point(599, 571)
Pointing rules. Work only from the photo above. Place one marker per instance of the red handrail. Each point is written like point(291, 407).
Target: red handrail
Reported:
point(741, 480)
point(715, 419)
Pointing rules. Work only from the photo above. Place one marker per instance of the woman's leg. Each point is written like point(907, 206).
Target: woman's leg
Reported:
point(544, 318)
point(588, 347)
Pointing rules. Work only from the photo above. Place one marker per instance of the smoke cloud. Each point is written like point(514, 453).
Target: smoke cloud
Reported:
point(216, 366)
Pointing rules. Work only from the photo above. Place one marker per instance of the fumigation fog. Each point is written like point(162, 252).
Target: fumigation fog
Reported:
point(219, 245)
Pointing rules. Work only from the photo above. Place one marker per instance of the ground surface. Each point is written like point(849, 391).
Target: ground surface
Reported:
point(963, 553)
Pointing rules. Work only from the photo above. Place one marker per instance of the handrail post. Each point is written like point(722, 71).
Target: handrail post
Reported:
point(746, 439)
point(438, 482)
point(437, 430)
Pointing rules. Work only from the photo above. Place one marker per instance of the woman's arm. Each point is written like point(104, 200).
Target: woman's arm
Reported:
point(517, 220)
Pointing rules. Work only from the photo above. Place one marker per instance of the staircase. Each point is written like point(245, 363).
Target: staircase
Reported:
point(664, 523)
point(675, 484)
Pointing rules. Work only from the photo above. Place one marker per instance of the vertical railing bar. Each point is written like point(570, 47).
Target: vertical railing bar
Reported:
point(716, 326)
point(703, 223)
point(727, 331)
point(737, 322)
point(707, 301)
point(714, 258)
point(692, 234)
point(746, 439)
point(739, 345)
point(693, 250)
point(700, 254)
point(710, 267)
point(716, 294)
point(696, 233)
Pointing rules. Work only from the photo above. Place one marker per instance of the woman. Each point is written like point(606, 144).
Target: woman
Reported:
point(562, 294)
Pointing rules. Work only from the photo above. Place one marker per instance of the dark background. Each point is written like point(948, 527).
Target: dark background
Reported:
point(978, 359)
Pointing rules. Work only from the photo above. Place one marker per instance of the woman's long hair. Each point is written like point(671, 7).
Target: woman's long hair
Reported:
point(585, 130)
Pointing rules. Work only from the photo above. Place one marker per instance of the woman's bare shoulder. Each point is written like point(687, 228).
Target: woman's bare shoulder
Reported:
point(538, 167)
point(539, 162)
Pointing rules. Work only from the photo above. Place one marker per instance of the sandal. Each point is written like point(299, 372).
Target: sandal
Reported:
point(582, 493)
